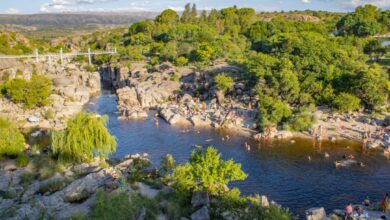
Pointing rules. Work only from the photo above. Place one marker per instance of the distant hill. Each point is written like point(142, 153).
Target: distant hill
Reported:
point(75, 19)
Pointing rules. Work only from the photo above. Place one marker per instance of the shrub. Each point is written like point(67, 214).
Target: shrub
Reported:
point(22, 160)
point(33, 93)
point(168, 162)
point(52, 185)
point(224, 82)
point(302, 120)
point(86, 136)
point(272, 111)
point(206, 171)
point(345, 102)
point(181, 61)
point(120, 205)
point(90, 68)
point(175, 77)
point(11, 140)
point(50, 114)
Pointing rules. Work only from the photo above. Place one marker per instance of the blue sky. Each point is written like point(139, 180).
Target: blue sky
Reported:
point(45, 6)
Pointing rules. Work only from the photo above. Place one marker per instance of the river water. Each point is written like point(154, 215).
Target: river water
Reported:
point(279, 169)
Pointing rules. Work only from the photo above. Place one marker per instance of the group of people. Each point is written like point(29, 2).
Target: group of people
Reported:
point(350, 210)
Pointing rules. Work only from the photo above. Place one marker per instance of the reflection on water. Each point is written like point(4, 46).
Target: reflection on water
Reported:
point(278, 169)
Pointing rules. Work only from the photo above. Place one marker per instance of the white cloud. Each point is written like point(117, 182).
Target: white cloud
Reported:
point(93, 1)
point(352, 4)
point(306, 1)
point(12, 11)
point(71, 5)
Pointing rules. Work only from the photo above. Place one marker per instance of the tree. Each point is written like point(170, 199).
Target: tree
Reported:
point(206, 171)
point(363, 22)
point(224, 82)
point(11, 140)
point(272, 111)
point(345, 102)
point(33, 93)
point(168, 17)
point(204, 53)
point(374, 49)
point(85, 136)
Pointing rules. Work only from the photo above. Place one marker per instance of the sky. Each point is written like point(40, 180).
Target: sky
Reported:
point(48, 6)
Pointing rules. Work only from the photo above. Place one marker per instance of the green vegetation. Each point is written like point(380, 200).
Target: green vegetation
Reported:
point(223, 82)
point(22, 160)
point(33, 93)
point(288, 61)
point(120, 205)
point(86, 136)
point(365, 21)
point(345, 102)
point(206, 171)
point(11, 140)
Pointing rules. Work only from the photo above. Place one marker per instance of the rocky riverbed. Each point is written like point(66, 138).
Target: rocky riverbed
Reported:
point(188, 97)
point(73, 86)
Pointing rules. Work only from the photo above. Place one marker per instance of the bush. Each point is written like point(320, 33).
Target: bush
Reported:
point(11, 140)
point(33, 93)
point(345, 102)
point(86, 136)
point(272, 111)
point(52, 185)
point(302, 120)
point(168, 162)
point(175, 77)
point(120, 205)
point(181, 61)
point(90, 68)
point(206, 171)
point(224, 82)
point(22, 160)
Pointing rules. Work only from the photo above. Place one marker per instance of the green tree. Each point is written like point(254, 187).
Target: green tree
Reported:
point(204, 53)
point(224, 82)
point(272, 111)
point(85, 136)
point(206, 171)
point(11, 140)
point(33, 93)
point(168, 17)
point(345, 102)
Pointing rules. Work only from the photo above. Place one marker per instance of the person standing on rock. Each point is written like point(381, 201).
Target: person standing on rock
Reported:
point(384, 202)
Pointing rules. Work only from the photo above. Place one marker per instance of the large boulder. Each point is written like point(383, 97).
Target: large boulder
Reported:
point(201, 214)
point(386, 121)
point(82, 188)
point(199, 199)
point(317, 213)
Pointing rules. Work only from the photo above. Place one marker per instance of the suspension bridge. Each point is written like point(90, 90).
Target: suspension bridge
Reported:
point(58, 56)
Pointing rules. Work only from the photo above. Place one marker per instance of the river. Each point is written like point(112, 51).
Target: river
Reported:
point(279, 169)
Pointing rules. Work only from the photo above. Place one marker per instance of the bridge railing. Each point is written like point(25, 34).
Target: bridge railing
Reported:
point(59, 55)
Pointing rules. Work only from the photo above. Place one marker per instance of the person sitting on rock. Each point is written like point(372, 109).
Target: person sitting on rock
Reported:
point(366, 201)
point(348, 211)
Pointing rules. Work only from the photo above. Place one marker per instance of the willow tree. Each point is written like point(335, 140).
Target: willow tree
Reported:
point(11, 140)
point(85, 137)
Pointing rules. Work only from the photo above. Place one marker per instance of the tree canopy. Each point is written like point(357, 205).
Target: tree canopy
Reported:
point(206, 171)
point(85, 137)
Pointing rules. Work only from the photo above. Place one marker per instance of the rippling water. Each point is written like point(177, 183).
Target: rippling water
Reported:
point(279, 169)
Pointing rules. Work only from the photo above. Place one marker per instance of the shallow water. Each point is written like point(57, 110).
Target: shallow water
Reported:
point(278, 169)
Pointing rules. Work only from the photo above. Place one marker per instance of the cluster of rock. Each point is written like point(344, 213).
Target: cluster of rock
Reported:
point(176, 102)
point(367, 213)
point(140, 90)
point(73, 88)
point(62, 195)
